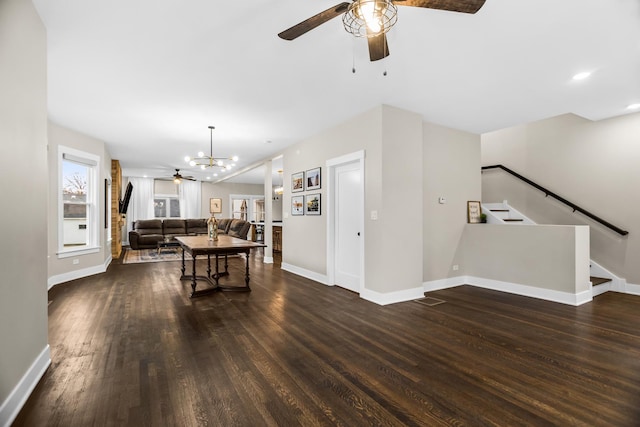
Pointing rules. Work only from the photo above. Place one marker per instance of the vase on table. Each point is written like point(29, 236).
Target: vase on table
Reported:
point(212, 228)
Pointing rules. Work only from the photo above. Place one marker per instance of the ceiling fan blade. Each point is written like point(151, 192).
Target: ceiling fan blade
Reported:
point(313, 22)
point(464, 6)
point(378, 47)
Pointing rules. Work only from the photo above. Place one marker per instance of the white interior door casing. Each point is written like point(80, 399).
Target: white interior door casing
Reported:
point(348, 226)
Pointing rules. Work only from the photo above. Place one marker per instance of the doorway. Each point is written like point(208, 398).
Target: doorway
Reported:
point(345, 248)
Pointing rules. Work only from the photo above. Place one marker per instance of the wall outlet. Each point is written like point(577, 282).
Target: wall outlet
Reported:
point(456, 267)
point(76, 261)
point(442, 200)
point(374, 215)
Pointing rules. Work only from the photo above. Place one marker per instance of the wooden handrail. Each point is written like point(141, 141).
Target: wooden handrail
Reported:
point(560, 199)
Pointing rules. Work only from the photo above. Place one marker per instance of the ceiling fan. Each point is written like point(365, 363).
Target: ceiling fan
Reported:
point(177, 177)
point(373, 18)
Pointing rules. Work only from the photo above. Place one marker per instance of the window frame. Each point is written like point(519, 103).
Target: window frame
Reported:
point(251, 198)
point(92, 162)
point(167, 198)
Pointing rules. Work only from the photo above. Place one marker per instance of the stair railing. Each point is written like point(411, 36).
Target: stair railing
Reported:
point(559, 198)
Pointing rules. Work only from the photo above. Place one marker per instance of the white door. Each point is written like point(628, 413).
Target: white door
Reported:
point(348, 211)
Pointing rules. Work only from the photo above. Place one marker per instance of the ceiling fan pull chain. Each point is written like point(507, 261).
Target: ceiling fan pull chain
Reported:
point(353, 57)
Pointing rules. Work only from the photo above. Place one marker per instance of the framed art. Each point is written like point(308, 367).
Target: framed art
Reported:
point(474, 211)
point(313, 179)
point(297, 182)
point(215, 206)
point(312, 205)
point(297, 205)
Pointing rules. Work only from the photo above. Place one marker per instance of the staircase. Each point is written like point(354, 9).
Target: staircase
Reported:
point(501, 213)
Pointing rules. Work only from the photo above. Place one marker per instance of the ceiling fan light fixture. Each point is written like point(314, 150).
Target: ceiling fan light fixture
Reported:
point(370, 18)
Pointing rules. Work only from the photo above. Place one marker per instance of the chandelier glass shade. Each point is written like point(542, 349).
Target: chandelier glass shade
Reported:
point(210, 161)
point(370, 18)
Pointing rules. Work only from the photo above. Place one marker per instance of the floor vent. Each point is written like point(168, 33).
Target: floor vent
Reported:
point(429, 301)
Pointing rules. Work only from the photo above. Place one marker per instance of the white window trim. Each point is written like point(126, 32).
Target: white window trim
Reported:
point(93, 245)
point(168, 196)
point(250, 197)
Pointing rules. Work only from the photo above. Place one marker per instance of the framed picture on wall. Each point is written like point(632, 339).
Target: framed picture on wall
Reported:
point(474, 212)
point(313, 179)
point(312, 205)
point(215, 206)
point(297, 182)
point(297, 205)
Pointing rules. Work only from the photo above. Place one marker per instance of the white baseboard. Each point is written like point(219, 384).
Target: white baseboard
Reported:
point(21, 392)
point(78, 274)
point(450, 282)
point(632, 289)
point(312, 275)
point(512, 288)
point(267, 260)
point(392, 297)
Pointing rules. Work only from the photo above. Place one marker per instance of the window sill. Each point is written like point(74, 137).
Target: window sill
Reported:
point(75, 252)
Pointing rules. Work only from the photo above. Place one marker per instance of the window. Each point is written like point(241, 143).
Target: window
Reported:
point(165, 206)
point(247, 207)
point(78, 195)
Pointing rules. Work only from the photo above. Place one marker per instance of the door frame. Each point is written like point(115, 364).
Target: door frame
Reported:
point(331, 166)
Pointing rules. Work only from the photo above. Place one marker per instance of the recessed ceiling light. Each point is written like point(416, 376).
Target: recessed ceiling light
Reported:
point(144, 176)
point(633, 107)
point(582, 76)
point(208, 177)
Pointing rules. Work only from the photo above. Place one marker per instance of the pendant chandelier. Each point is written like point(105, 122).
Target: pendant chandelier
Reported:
point(209, 161)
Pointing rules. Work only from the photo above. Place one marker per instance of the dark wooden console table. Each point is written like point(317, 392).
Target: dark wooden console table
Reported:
point(225, 245)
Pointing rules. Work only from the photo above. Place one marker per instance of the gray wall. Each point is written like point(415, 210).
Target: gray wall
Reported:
point(553, 257)
point(593, 164)
point(222, 191)
point(452, 171)
point(392, 141)
point(59, 135)
point(23, 160)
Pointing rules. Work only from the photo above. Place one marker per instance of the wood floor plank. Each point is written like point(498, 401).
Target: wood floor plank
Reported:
point(129, 347)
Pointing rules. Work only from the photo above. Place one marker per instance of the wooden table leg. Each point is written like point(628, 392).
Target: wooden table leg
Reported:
point(217, 275)
point(183, 267)
point(193, 276)
point(246, 277)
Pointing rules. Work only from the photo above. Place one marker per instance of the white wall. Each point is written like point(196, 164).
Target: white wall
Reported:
point(24, 350)
point(63, 269)
point(593, 164)
point(452, 171)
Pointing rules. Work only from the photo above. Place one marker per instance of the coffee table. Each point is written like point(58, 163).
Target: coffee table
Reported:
point(167, 244)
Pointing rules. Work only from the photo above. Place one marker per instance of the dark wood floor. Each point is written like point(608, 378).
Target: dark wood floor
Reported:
point(130, 348)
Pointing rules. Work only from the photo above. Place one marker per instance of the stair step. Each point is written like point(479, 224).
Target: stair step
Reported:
point(599, 280)
point(513, 219)
point(499, 210)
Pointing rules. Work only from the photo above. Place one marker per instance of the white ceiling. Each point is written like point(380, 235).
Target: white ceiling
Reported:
point(148, 77)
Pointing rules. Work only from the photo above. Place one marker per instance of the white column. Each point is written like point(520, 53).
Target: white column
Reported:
point(268, 212)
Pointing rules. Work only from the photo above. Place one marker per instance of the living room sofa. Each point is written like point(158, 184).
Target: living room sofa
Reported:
point(147, 233)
